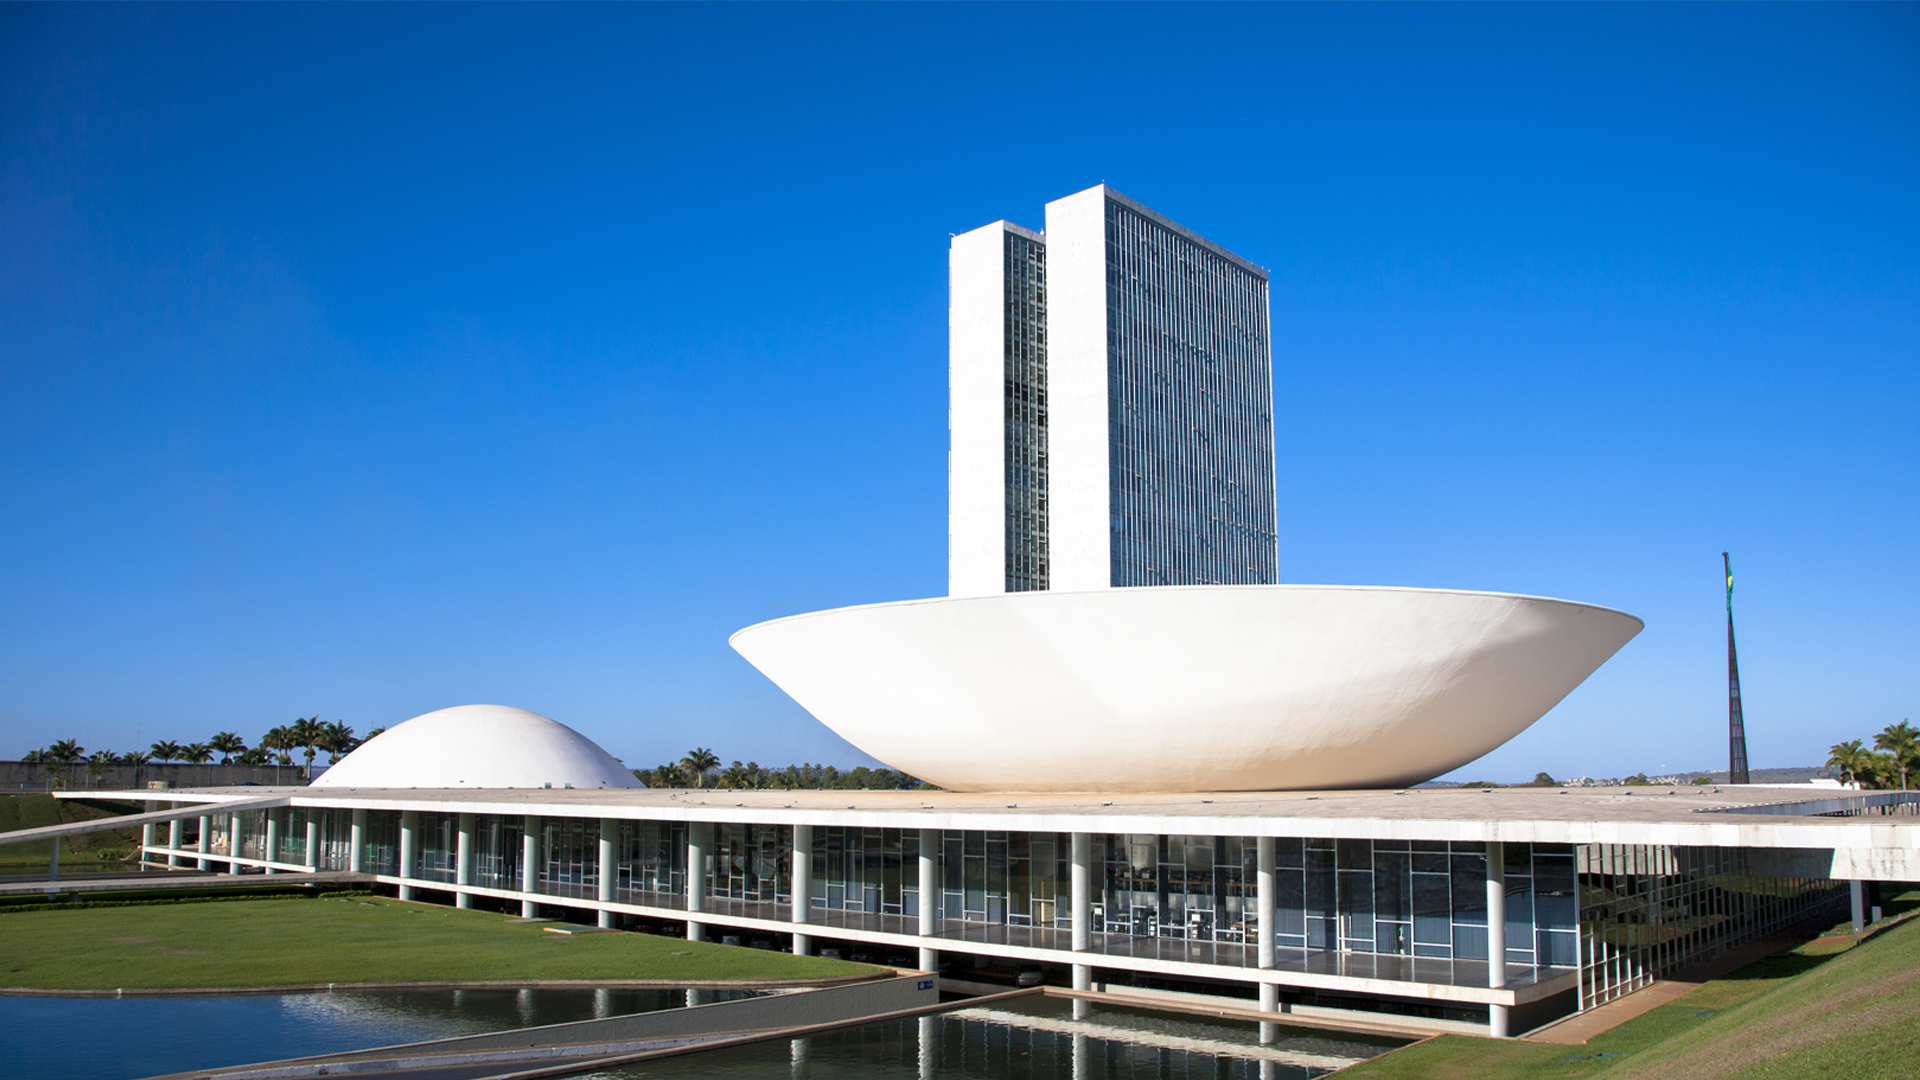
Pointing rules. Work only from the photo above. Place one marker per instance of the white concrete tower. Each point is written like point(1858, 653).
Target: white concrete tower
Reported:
point(1111, 417)
point(997, 419)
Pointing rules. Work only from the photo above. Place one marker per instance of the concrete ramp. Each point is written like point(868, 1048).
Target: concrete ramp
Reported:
point(561, 1049)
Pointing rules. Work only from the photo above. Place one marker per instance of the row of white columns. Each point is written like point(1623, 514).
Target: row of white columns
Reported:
point(149, 835)
point(700, 848)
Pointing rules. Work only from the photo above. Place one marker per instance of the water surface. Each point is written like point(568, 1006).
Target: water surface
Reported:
point(124, 1038)
point(1031, 1038)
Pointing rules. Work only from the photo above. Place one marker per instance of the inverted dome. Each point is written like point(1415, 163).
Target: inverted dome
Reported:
point(1186, 688)
point(479, 746)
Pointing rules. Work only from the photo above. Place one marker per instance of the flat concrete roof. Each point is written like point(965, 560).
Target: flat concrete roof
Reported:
point(1707, 816)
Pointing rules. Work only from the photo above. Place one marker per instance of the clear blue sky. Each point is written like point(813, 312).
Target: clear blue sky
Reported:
point(364, 360)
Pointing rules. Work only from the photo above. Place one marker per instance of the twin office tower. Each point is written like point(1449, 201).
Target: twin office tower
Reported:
point(1111, 402)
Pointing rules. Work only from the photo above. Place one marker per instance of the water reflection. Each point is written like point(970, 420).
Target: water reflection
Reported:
point(40, 1037)
point(1033, 1038)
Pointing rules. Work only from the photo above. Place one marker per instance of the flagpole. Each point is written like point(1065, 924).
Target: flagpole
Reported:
point(1736, 723)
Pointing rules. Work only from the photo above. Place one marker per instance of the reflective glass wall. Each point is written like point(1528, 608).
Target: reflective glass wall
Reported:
point(1190, 400)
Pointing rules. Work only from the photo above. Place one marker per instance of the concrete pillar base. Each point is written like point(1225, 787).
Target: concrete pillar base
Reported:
point(606, 920)
point(1858, 893)
point(1082, 977)
point(1497, 1021)
point(1269, 997)
point(929, 959)
point(802, 945)
point(406, 892)
point(696, 932)
point(529, 909)
point(462, 900)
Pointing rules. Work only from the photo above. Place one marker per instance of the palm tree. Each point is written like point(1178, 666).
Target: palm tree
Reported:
point(167, 751)
point(97, 763)
point(370, 735)
point(226, 744)
point(306, 732)
point(199, 754)
point(700, 761)
point(1850, 758)
point(135, 758)
point(337, 740)
point(62, 755)
point(279, 740)
point(1903, 743)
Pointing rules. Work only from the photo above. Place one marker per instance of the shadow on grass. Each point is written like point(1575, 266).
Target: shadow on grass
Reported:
point(1778, 966)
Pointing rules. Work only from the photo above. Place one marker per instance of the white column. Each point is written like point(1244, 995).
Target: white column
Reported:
point(1082, 901)
point(802, 883)
point(929, 898)
point(1496, 935)
point(273, 838)
point(357, 843)
point(929, 1047)
point(463, 863)
point(233, 843)
point(313, 840)
point(53, 861)
point(147, 832)
point(1857, 891)
point(206, 842)
point(175, 830)
point(699, 846)
point(609, 829)
point(530, 864)
point(409, 824)
point(1263, 898)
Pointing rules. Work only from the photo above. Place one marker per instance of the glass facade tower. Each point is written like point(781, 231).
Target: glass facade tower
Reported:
point(1112, 405)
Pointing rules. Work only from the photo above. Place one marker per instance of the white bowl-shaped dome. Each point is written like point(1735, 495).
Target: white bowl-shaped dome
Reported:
point(479, 746)
point(1189, 688)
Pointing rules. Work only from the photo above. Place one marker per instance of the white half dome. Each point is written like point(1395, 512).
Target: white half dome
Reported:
point(1186, 688)
point(479, 746)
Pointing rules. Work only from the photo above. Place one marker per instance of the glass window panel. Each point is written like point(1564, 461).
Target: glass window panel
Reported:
point(1432, 910)
point(1392, 898)
point(1470, 889)
point(1556, 905)
point(1469, 942)
point(1290, 900)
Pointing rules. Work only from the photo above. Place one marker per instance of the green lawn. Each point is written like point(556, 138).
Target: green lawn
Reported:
point(348, 939)
point(1825, 1009)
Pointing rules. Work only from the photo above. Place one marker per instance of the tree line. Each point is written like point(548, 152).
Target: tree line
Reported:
point(701, 769)
point(307, 736)
point(1893, 763)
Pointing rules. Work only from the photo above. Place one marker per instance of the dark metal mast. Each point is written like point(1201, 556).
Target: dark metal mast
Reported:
point(1736, 725)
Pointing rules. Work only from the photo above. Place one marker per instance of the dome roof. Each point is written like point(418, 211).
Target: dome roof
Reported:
point(479, 746)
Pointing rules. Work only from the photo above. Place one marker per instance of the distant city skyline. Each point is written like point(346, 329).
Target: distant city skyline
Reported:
point(371, 361)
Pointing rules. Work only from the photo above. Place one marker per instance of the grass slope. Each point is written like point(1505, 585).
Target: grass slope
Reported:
point(38, 811)
point(1825, 1009)
point(347, 939)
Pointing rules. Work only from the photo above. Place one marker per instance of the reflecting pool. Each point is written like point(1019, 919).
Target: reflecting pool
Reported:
point(1031, 1038)
point(122, 1038)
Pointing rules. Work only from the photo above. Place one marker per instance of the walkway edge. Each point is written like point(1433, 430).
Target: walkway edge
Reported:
point(457, 984)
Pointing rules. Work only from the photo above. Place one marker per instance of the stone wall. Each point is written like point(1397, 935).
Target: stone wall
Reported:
point(25, 776)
